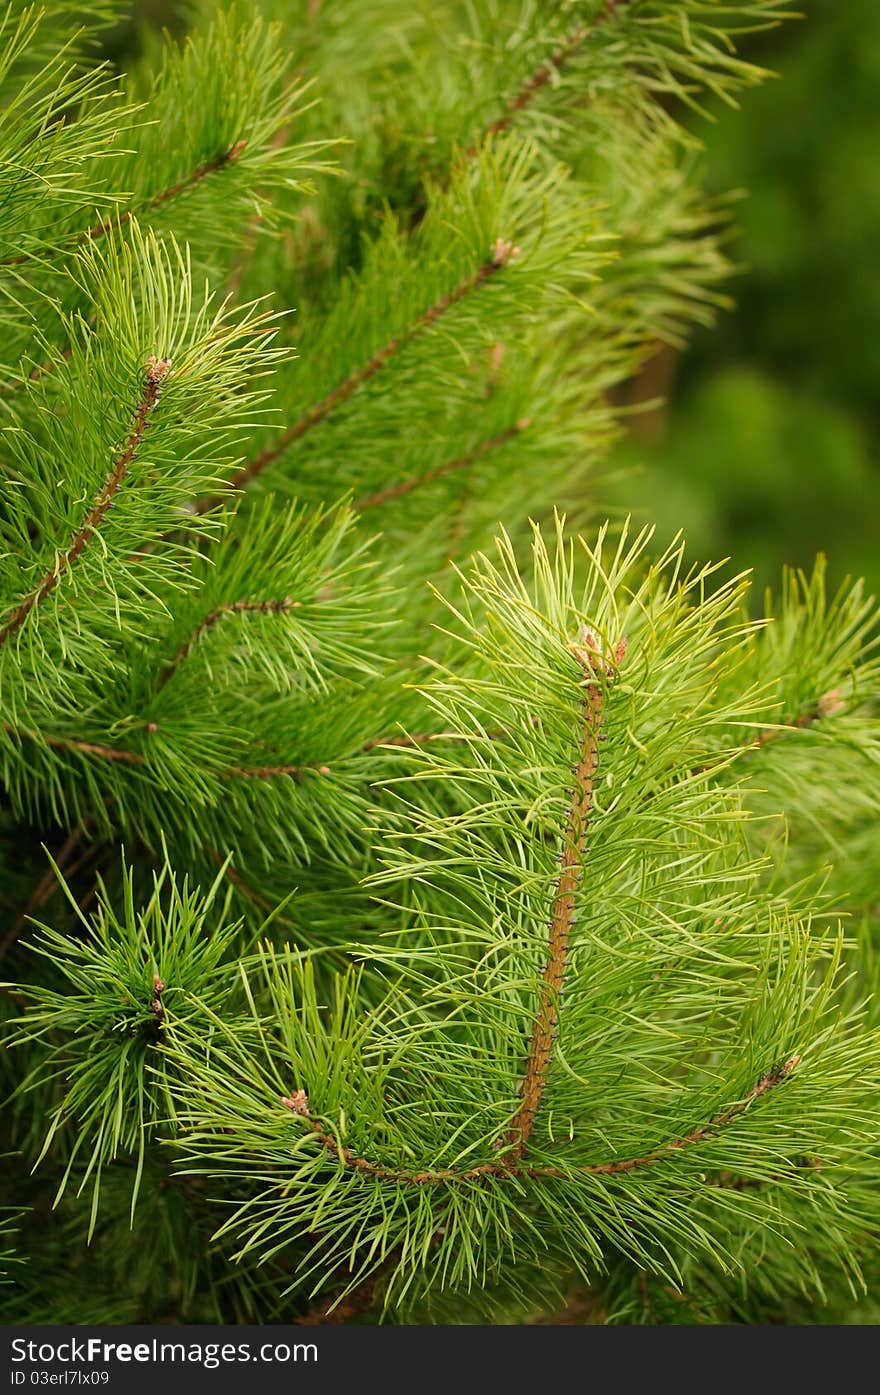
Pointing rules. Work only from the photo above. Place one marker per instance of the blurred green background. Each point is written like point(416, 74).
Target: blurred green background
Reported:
point(767, 447)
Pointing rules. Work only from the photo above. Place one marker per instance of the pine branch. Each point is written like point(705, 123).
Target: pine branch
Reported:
point(587, 653)
point(231, 608)
point(271, 772)
point(503, 253)
point(69, 743)
point(102, 228)
point(397, 491)
point(424, 738)
point(122, 755)
point(828, 705)
point(344, 1306)
point(157, 370)
point(420, 738)
point(41, 893)
point(539, 79)
point(298, 1104)
point(236, 879)
point(541, 76)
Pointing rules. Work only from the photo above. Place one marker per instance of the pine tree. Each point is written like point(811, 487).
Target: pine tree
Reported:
point(406, 920)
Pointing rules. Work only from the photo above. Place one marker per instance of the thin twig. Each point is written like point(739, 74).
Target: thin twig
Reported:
point(38, 371)
point(100, 229)
point(342, 1307)
point(156, 371)
point(503, 253)
point(828, 706)
point(533, 84)
point(235, 877)
point(298, 1105)
point(419, 738)
point(264, 772)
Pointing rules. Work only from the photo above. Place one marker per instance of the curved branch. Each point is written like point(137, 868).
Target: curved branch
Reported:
point(830, 704)
point(210, 620)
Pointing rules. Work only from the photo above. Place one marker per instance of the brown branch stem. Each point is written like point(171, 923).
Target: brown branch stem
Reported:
point(397, 491)
point(38, 371)
point(597, 672)
point(830, 704)
point(536, 81)
point(503, 253)
point(297, 1103)
point(827, 706)
point(419, 738)
point(230, 608)
point(265, 772)
point(542, 75)
point(100, 229)
point(341, 1307)
point(156, 371)
point(41, 893)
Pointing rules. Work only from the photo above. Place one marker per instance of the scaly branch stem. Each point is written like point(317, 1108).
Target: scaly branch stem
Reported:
point(156, 371)
point(397, 491)
point(541, 76)
point(502, 254)
point(562, 911)
point(99, 230)
point(231, 608)
point(297, 1103)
